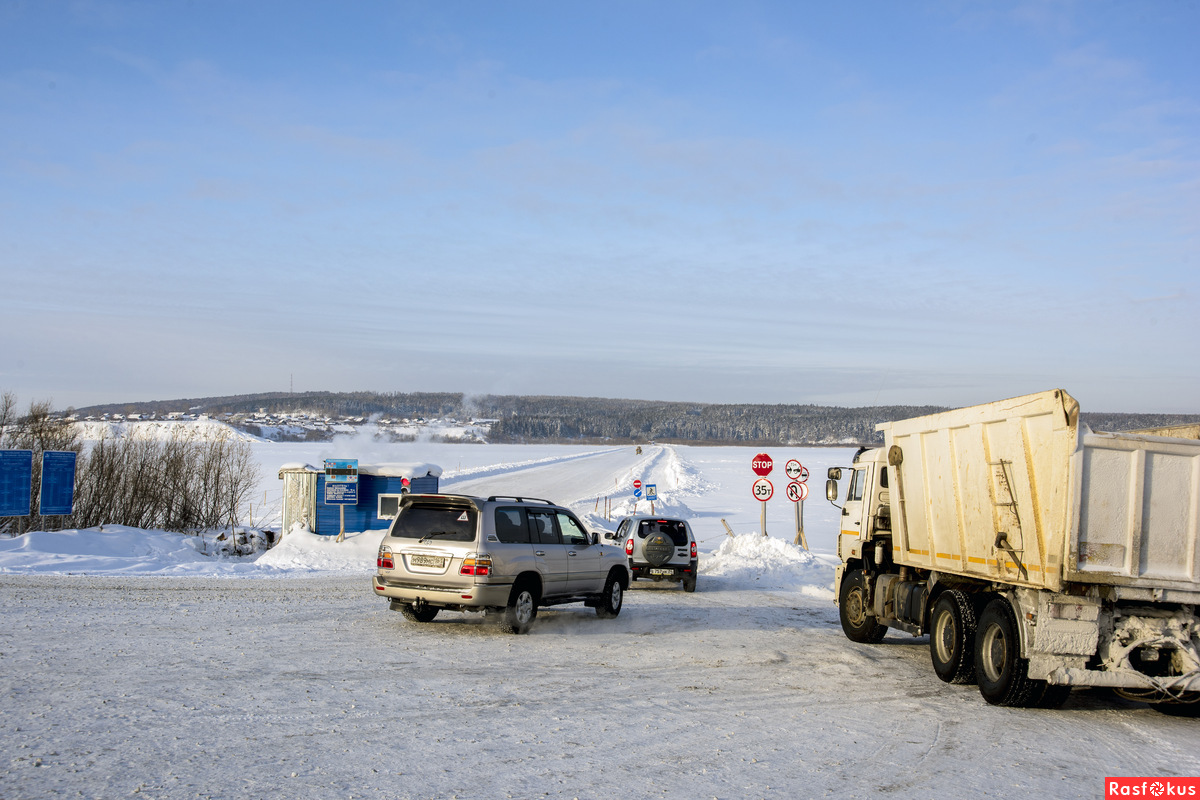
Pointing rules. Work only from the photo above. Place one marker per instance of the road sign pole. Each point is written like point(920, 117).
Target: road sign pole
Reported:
point(764, 519)
point(801, 539)
point(341, 537)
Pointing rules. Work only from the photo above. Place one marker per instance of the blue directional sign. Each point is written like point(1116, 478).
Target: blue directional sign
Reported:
point(16, 482)
point(637, 492)
point(58, 483)
point(341, 470)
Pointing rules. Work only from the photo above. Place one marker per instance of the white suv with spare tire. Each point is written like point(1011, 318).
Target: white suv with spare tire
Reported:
point(659, 549)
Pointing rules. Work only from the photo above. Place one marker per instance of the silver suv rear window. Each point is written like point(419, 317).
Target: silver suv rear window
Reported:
point(672, 527)
point(435, 522)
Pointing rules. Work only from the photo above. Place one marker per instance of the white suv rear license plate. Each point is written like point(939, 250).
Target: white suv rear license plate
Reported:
point(662, 572)
point(427, 561)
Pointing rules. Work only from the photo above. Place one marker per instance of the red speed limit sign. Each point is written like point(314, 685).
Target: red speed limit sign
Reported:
point(763, 490)
point(797, 491)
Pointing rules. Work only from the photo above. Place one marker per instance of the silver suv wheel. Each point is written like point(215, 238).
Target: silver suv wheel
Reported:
point(521, 610)
point(610, 601)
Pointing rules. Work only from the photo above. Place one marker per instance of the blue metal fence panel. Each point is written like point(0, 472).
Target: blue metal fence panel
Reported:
point(16, 482)
point(58, 483)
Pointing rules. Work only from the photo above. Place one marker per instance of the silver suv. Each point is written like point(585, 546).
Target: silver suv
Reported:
point(503, 555)
point(659, 549)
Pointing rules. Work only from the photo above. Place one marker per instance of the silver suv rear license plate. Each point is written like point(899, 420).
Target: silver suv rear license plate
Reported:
point(426, 561)
point(662, 572)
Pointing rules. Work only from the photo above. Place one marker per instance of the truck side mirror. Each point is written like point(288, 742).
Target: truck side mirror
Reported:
point(834, 474)
point(831, 493)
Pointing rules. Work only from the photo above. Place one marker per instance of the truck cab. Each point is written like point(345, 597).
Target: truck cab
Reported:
point(866, 522)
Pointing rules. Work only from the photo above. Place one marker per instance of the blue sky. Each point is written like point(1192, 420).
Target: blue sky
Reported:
point(927, 202)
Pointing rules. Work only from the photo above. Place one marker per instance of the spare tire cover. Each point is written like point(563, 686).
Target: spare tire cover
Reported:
point(658, 549)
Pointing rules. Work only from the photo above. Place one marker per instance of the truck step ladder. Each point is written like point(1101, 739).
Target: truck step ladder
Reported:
point(1007, 512)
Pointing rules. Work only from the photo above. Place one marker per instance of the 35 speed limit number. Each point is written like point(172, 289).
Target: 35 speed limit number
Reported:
point(763, 490)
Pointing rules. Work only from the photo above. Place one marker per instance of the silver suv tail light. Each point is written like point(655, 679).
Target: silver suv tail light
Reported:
point(478, 564)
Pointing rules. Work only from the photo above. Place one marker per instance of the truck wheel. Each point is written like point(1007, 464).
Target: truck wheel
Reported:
point(952, 637)
point(1002, 674)
point(1053, 696)
point(1188, 705)
point(858, 625)
point(521, 610)
point(614, 594)
point(425, 613)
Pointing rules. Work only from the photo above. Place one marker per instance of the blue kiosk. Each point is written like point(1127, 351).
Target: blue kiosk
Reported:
point(379, 489)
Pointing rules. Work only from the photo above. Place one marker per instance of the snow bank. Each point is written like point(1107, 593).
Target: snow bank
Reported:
point(111, 550)
point(118, 550)
point(751, 561)
point(305, 551)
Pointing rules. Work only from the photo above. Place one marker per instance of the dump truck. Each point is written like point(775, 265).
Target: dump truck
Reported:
point(1037, 555)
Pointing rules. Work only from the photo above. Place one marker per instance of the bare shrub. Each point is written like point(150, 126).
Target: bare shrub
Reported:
point(183, 483)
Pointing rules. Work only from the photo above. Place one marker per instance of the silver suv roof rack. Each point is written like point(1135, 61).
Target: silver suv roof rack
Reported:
point(519, 499)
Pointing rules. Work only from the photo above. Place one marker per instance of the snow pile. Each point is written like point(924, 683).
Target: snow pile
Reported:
point(119, 550)
point(304, 551)
point(751, 561)
point(110, 549)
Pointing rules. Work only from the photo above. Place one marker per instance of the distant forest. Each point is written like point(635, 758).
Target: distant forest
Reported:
point(596, 419)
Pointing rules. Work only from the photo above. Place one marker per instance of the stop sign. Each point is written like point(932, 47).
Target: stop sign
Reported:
point(762, 464)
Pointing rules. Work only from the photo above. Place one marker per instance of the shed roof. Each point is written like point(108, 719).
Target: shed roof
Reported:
point(383, 470)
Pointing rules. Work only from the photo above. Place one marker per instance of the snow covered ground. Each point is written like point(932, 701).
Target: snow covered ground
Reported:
point(136, 666)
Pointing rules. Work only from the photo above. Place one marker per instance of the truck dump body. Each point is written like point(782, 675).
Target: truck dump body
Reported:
point(1135, 519)
point(1018, 492)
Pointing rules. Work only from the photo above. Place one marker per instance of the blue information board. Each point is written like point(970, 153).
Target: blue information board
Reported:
point(16, 482)
point(341, 494)
point(58, 483)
